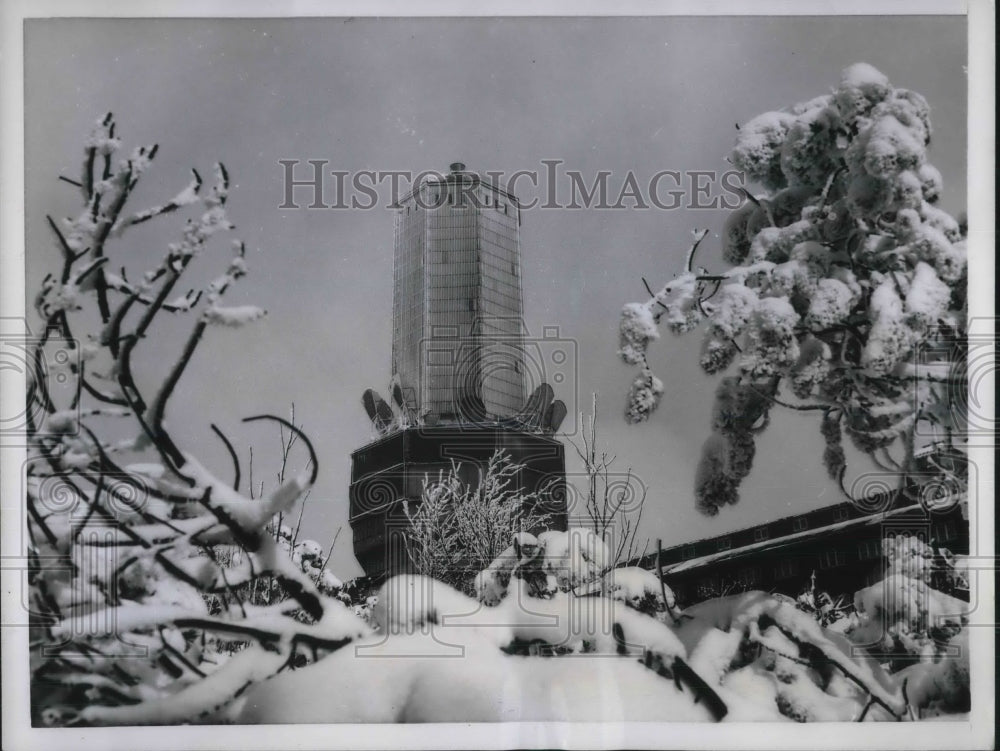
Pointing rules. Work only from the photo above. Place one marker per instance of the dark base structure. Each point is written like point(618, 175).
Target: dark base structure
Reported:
point(392, 469)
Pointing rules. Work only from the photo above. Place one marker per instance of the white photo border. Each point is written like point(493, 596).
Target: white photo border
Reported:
point(17, 732)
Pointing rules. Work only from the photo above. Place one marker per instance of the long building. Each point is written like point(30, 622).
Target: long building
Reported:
point(841, 544)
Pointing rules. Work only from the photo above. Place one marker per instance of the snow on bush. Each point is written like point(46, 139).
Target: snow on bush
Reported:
point(940, 686)
point(903, 614)
point(908, 622)
point(640, 588)
point(766, 646)
point(439, 655)
point(459, 527)
point(442, 656)
point(554, 561)
point(845, 276)
point(408, 679)
point(424, 622)
point(573, 557)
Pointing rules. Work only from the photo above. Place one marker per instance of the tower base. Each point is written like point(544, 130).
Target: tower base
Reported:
point(392, 469)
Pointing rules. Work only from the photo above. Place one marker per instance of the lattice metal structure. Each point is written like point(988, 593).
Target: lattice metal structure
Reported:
point(458, 340)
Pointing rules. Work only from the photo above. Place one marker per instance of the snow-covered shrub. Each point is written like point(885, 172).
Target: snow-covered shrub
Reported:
point(691, 672)
point(940, 685)
point(903, 616)
point(767, 648)
point(138, 552)
point(575, 560)
point(573, 557)
point(458, 528)
point(751, 657)
point(554, 561)
point(441, 656)
point(828, 612)
point(915, 632)
point(640, 589)
point(845, 277)
point(505, 655)
point(910, 614)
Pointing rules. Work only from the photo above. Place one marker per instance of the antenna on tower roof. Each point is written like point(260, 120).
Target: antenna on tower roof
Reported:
point(457, 167)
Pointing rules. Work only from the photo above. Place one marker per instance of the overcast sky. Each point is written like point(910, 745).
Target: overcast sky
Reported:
point(643, 94)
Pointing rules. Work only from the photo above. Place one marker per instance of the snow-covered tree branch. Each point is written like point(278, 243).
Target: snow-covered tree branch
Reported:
point(846, 295)
point(128, 594)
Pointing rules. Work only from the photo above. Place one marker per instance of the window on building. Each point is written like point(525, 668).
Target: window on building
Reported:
point(689, 552)
point(800, 524)
point(870, 549)
point(786, 569)
point(760, 534)
point(839, 514)
point(724, 543)
point(832, 558)
point(945, 530)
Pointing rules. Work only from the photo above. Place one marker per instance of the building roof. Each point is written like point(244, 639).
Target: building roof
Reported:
point(459, 430)
point(457, 173)
point(796, 537)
